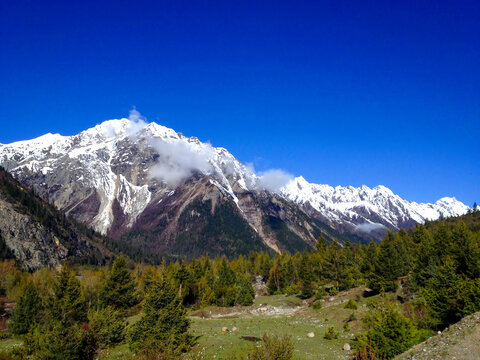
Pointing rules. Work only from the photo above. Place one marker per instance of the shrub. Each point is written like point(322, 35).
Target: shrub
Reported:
point(351, 304)
point(108, 326)
point(320, 294)
point(330, 334)
point(352, 317)
point(291, 290)
point(6, 356)
point(333, 291)
point(346, 327)
point(273, 348)
point(317, 305)
point(389, 334)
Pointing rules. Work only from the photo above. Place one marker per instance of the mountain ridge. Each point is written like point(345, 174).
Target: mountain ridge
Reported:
point(107, 176)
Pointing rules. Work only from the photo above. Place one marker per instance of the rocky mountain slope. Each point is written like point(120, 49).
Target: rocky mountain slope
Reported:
point(365, 210)
point(460, 341)
point(165, 192)
point(36, 234)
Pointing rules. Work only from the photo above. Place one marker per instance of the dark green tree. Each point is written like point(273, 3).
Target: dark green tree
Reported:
point(450, 295)
point(27, 311)
point(163, 329)
point(69, 305)
point(306, 276)
point(392, 263)
point(225, 285)
point(389, 334)
point(119, 289)
point(108, 326)
point(246, 293)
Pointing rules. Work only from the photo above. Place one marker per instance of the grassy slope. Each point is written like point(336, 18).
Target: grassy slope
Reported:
point(215, 344)
point(228, 345)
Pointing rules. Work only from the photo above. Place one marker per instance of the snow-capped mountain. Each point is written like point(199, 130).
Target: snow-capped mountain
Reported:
point(136, 180)
point(365, 210)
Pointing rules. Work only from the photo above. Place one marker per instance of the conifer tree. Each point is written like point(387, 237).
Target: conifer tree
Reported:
point(69, 305)
point(306, 277)
point(392, 263)
point(119, 289)
point(246, 293)
point(27, 310)
point(163, 329)
point(225, 285)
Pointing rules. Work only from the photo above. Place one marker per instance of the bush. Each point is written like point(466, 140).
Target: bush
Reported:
point(320, 294)
point(317, 305)
point(389, 334)
point(6, 356)
point(346, 327)
point(273, 348)
point(58, 343)
point(352, 317)
point(333, 291)
point(291, 290)
point(351, 304)
point(108, 326)
point(330, 334)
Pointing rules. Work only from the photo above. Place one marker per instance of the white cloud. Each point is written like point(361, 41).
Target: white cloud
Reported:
point(137, 122)
point(274, 179)
point(179, 160)
point(368, 227)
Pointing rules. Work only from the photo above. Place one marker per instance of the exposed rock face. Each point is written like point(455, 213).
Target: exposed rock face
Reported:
point(165, 192)
point(31, 243)
point(35, 233)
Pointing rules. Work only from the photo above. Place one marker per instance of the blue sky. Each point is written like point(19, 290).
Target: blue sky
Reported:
point(341, 92)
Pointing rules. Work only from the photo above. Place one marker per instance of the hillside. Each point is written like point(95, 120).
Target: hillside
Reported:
point(36, 234)
point(458, 341)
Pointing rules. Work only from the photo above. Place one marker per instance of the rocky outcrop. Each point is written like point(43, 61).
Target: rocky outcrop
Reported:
point(32, 244)
point(36, 234)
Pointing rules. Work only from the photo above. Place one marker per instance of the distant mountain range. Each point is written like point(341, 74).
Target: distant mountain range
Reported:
point(165, 193)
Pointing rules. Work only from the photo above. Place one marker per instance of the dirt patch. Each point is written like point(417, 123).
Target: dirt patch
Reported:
point(242, 311)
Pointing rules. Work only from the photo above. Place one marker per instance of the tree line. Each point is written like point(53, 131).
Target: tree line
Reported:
point(433, 269)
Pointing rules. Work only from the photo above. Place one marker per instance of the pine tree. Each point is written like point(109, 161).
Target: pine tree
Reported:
point(225, 285)
point(119, 289)
point(69, 305)
point(26, 312)
point(306, 277)
point(246, 293)
point(392, 263)
point(163, 329)
point(389, 334)
point(108, 326)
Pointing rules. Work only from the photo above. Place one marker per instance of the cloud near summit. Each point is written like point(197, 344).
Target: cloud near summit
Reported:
point(179, 160)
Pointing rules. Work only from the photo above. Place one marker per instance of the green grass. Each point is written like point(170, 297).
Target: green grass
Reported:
point(120, 352)
point(8, 344)
point(278, 300)
point(218, 345)
point(228, 345)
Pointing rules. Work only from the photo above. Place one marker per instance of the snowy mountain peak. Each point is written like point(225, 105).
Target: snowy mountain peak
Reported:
point(355, 206)
point(109, 129)
point(111, 169)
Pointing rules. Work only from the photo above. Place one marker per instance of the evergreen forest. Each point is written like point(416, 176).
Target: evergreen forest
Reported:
point(426, 279)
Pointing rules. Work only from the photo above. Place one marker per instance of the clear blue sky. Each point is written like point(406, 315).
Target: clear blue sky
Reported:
point(341, 92)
